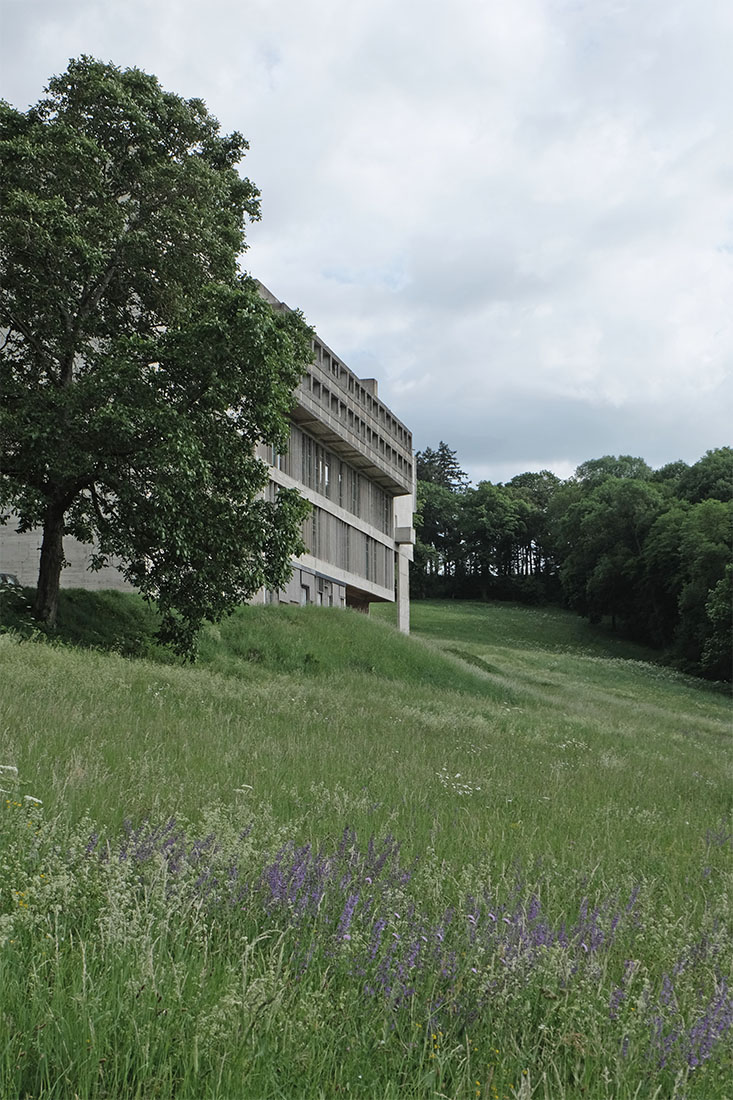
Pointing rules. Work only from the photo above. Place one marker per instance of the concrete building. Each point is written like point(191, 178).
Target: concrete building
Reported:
point(351, 458)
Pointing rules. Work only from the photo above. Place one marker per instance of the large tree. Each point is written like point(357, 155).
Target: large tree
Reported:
point(600, 531)
point(441, 467)
point(139, 369)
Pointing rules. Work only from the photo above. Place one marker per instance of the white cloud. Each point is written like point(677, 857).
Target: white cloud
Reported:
point(517, 216)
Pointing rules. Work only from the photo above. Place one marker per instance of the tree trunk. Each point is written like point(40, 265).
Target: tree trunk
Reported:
point(52, 562)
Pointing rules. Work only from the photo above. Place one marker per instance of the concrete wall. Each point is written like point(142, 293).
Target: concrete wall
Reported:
point(20, 554)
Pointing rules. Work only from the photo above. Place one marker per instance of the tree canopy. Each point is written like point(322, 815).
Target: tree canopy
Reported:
point(139, 368)
point(647, 551)
point(440, 467)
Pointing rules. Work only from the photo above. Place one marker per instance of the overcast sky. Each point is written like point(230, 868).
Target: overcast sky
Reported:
point(516, 214)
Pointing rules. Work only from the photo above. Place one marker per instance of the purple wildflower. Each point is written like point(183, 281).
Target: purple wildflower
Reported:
point(714, 1023)
point(617, 997)
point(346, 917)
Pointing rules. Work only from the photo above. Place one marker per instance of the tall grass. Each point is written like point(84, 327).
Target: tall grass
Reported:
point(489, 860)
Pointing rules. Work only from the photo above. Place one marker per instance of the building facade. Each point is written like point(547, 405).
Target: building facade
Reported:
point(352, 460)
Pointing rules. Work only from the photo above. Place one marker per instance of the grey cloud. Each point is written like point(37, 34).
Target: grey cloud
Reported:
point(495, 440)
point(514, 215)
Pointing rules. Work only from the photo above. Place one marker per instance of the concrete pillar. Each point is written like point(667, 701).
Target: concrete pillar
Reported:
point(403, 592)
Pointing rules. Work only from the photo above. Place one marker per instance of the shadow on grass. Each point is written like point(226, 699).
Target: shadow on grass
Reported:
point(116, 622)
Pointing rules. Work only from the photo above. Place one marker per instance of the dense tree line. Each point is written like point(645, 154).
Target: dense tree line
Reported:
point(647, 550)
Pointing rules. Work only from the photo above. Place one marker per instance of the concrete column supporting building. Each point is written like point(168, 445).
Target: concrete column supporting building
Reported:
point(403, 592)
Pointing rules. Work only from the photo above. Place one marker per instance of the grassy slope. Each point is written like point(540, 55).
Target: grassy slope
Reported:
point(496, 741)
point(538, 746)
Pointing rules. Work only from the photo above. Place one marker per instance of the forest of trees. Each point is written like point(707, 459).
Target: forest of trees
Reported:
point(648, 551)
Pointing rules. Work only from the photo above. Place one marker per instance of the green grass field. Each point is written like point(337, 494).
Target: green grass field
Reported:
point(492, 859)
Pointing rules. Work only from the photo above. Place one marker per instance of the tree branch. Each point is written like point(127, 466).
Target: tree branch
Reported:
point(18, 325)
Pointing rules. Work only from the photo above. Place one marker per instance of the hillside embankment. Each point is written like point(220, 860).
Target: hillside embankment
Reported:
point(491, 859)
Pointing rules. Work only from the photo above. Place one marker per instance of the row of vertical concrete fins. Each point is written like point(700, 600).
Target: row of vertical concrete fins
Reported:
point(344, 411)
point(356, 425)
point(316, 466)
point(342, 546)
point(352, 458)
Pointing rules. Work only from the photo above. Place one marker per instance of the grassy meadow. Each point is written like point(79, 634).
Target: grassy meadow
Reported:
point(489, 860)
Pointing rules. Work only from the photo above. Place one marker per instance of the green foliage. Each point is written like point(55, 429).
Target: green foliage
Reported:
point(602, 530)
point(710, 478)
point(650, 560)
point(488, 540)
point(597, 470)
point(495, 522)
point(706, 547)
point(643, 549)
point(440, 467)
point(717, 654)
point(668, 476)
point(438, 548)
point(139, 368)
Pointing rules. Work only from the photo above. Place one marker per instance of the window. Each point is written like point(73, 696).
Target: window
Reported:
point(322, 471)
point(306, 463)
point(279, 459)
point(315, 540)
point(354, 506)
